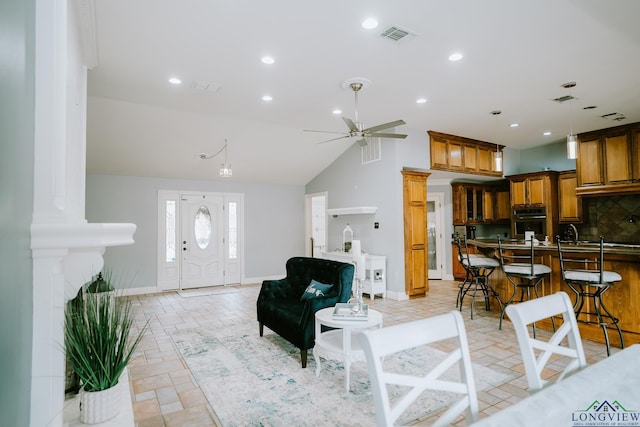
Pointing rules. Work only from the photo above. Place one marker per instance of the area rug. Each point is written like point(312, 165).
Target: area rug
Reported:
point(258, 381)
point(201, 292)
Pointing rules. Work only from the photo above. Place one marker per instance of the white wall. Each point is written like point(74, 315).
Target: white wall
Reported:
point(350, 183)
point(273, 214)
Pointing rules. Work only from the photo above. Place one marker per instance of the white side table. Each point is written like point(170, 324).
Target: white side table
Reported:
point(341, 344)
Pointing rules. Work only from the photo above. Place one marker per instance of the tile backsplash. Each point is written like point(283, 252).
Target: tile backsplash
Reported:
point(617, 218)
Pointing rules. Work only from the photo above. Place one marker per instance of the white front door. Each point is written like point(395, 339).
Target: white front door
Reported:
point(202, 249)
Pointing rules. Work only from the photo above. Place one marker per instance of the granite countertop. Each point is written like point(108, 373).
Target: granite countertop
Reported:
point(580, 246)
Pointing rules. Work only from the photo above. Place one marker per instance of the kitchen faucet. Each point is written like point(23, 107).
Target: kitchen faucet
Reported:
point(572, 232)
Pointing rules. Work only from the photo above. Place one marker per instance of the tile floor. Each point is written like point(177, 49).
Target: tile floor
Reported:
point(165, 394)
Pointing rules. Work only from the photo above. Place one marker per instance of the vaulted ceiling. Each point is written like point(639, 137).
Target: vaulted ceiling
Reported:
point(516, 57)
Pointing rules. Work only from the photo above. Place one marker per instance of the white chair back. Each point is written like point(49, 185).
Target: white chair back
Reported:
point(379, 343)
point(529, 312)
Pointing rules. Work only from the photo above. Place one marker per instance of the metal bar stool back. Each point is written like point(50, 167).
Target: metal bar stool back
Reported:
point(588, 280)
point(478, 269)
point(523, 273)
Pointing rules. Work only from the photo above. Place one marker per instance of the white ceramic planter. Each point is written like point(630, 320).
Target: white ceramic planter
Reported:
point(99, 406)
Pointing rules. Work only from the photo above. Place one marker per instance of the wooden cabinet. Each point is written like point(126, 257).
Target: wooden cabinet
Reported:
point(608, 161)
point(458, 154)
point(569, 204)
point(416, 264)
point(537, 189)
point(503, 205)
point(487, 197)
point(459, 198)
point(480, 203)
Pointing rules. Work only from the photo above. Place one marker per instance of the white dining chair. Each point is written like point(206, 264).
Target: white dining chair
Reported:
point(379, 343)
point(536, 353)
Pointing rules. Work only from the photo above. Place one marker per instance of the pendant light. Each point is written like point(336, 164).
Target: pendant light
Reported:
point(572, 140)
point(225, 168)
point(497, 159)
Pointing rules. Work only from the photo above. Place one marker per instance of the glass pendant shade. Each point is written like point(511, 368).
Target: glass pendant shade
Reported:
point(498, 161)
point(572, 146)
point(225, 170)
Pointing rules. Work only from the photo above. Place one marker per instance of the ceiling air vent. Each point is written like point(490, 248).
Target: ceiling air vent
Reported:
point(395, 34)
point(205, 86)
point(372, 152)
point(564, 98)
point(614, 116)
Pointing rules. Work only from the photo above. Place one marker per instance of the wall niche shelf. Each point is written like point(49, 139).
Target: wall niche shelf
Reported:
point(358, 210)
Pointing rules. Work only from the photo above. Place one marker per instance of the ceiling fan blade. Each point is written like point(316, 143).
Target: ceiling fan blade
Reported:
point(334, 139)
point(322, 131)
point(384, 126)
point(351, 124)
point(386, 135)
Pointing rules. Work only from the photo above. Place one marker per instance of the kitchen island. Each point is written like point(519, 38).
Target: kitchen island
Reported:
point(622, 299)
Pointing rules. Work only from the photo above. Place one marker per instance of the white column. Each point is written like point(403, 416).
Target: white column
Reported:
point(66, 251)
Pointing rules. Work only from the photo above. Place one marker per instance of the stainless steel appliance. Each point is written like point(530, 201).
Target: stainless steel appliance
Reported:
point(530, 219)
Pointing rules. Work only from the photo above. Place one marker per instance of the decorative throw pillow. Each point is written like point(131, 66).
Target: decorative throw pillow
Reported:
point(315, 289)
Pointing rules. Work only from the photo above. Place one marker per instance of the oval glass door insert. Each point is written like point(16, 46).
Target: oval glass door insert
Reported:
point(202, 227)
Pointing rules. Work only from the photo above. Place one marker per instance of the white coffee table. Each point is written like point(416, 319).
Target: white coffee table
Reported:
point(341, 344)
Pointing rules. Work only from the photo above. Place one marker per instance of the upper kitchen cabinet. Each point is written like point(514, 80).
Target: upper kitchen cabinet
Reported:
point(480, 203)
point(608, 161)
point(458, 154)
point(536, 189)
point(569, 204)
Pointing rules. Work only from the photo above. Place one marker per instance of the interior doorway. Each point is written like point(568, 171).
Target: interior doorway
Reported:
point(435, 227)
point(316, 224)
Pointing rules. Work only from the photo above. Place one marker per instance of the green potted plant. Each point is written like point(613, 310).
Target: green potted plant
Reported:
point(99, 341)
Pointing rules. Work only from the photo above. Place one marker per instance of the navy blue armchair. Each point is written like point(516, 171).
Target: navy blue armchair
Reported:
point(281, 309)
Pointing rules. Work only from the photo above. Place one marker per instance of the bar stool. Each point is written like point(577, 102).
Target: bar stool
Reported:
point(467, 278)
point(588, 280)
point(478, 269)
point(524, 274)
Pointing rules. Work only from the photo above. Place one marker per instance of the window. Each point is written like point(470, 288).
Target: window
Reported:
point(233, 230)
point(202, 227)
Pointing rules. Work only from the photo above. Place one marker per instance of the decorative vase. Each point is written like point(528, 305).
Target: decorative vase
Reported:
point(99, 406)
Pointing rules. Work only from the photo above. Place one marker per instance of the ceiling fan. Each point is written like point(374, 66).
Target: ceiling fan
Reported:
point(357, 130)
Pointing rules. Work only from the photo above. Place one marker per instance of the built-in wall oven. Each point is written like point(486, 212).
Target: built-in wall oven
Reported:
point(530, 219)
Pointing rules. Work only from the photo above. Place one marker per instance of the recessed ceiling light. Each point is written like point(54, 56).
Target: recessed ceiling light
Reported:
point(337, 111)
point(421, 101)
point(267, 98)
point(547, 133)
point(514, 125)
point(369, 23)
point(268, 60)
point(455, 56)
point(175, 81)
